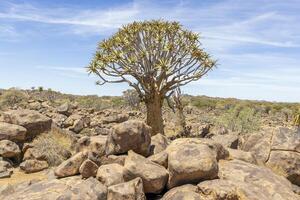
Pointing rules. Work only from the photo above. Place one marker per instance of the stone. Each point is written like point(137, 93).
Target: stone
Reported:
point(119, 118)
point(70, 120)
point(191, 160)
point(154, 176)
point(31, 166)
point(9, 149)
point(65, 109)
point(6, 174)
point(33, 121)
point(113, 174)
point(71, 166)
point(228, 140)
point(34, 106)
point(88, 169)
point(258, 180)
point(278, 149)
point(129, 135)
point(227, 189)
point(32, 153)
point(241, 155)
point(73, 188)
point(78, 125)
point(94, 145)
point(4, 165)
point(258, 144)
point(184, 192)
point(284, 156)
point(131, 190)
point(160, 158)
point(12, 132)
point(159, 143)
point(120, 159)
point(59, 119)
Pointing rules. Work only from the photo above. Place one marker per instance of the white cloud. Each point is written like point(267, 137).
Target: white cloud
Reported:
point(215, 22)
point(77, 70)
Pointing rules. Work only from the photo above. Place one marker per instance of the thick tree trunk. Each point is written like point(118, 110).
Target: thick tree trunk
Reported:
point(154, 114)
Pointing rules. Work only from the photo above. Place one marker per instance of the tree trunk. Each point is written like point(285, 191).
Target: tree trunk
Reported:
point(154, 114)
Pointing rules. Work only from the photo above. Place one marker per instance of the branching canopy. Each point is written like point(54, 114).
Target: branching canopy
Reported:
point(152, 56)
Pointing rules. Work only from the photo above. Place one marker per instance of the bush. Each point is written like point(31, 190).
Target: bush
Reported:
point(204, 103)
point(12, 97)
point(131, 98)
point(55, 146)
point(240, 119)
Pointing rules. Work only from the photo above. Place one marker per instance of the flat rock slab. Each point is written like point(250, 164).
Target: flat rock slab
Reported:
point(12, 132)
point(33, 121)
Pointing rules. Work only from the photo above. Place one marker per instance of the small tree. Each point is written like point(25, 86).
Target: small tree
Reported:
point(297, 121)
point(131, 98)
point(177, 106)
point(153, 57)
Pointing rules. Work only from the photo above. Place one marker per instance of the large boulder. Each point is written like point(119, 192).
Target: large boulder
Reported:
point(230, 140)
point(160, 158)
point(113, 174)
point(88, 169)
point(33, 121)
point(94, 144)
point(58, 119)
point(154, 176)
point(66, 188)
point(278, 149)
point(65, 109)
point(192, 160)
point(33, 153)
point(284, 157)
point(129, 135)
point(118, 118)
point(9, 149)
point(256, 181)
point(227, 189)
point(184, 192)
point(31, 166)
point(88, 189)
point(12, 132)
point(159, 143)
point(131, 190)
point(120, 159)
point(241, 155)
point(78, 125)
point(5, 168)
point(71, 166)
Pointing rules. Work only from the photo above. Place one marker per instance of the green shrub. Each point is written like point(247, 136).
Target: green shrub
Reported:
point(204, 103)
point(242, 119)
point(12, 97)
point(40, 89)
point(131, 98)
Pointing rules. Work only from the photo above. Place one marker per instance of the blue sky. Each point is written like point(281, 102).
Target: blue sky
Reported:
point(257, 43)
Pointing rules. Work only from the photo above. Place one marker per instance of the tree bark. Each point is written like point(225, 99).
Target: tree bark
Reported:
point(154, 114)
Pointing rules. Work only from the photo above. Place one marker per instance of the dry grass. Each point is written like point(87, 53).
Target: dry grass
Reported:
point(55, 146)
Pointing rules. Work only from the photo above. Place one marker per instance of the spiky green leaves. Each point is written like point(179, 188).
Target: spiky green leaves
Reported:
point(154, 50)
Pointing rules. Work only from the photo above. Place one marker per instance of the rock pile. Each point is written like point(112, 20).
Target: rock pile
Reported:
point(126, 162)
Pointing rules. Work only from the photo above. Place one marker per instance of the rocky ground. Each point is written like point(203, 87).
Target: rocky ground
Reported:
point(70, 152)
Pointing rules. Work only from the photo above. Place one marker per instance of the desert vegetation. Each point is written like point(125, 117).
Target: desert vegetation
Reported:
point(154, 141)
point(158, 55)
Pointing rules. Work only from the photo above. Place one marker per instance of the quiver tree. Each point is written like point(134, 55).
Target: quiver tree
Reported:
point(177, 105)
point(153, 57)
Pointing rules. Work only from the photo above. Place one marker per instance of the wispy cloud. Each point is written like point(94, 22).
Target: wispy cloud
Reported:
point(77, 70)
point(256, 42)
point(215, 21)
